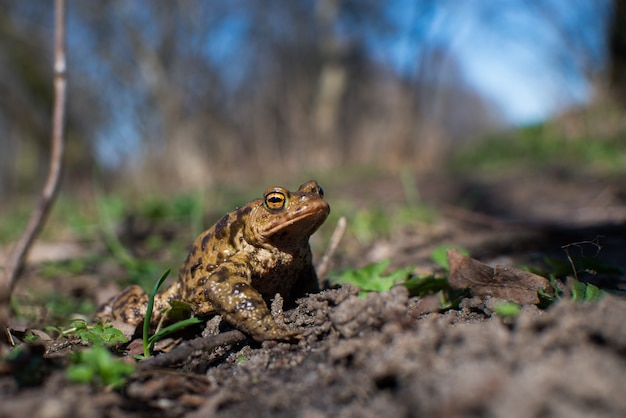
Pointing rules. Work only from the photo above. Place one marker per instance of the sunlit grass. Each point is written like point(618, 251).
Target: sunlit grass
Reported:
point(542, 146)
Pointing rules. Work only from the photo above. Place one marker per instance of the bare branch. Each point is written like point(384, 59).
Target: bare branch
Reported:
point(37, 220)
point(186, 349)
point(335, 239)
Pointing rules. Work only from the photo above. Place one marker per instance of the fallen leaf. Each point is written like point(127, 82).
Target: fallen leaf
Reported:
point(502, 282)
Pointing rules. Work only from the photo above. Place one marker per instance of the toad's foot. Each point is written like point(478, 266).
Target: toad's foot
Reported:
point(129, 307)
point(231, 295)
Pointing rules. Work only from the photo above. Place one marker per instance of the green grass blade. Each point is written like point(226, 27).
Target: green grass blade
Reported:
point(146, 320)
point(172, 328)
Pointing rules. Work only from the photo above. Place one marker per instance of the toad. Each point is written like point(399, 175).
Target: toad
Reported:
point(236, 266)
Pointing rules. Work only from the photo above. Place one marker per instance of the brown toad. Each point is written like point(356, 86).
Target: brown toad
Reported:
point(234, 267)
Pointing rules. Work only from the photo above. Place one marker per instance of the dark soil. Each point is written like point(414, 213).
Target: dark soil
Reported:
point(392, 355)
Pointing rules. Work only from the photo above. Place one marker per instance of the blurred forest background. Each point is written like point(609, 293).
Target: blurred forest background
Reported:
point(171, 96)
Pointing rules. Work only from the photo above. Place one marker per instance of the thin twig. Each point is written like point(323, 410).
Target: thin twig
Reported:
point(186, 349)
point(335, 239)
point(594, 242)
point(15, 263)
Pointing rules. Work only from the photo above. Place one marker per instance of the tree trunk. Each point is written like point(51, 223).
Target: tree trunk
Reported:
point(617, 51)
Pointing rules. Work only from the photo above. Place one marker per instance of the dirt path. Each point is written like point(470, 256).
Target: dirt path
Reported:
point(378, 357)
point(389, 355)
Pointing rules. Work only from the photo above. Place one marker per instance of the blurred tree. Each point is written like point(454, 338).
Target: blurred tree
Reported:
point(310, 62)
point(25, 83)
point(186, 93)
point(26, 102)
point(166, 98)
point(617, 50)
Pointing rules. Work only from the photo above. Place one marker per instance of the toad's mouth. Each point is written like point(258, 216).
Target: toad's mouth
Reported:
point(303, 221)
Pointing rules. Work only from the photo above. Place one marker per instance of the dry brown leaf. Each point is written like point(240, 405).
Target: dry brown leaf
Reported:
point(502, 282)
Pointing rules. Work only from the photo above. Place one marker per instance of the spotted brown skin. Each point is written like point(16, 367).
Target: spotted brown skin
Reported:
point(236, 266)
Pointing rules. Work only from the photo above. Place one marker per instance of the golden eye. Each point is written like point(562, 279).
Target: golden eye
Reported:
point(275, 200)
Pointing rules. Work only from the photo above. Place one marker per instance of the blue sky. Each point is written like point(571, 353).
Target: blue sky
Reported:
point(506, 49)
point(509, 56)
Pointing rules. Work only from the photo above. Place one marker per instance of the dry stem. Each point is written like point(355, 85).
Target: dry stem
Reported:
point(37, 220)
point(335, 239)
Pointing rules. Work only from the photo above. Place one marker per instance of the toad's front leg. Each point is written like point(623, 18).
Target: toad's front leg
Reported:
point(229, 292)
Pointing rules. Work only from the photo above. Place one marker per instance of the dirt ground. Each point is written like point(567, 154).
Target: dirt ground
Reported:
point(390, 354)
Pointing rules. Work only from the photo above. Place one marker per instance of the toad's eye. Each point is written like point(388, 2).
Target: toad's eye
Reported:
point(315, 188)
point(275, 200)
point(312, 187)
